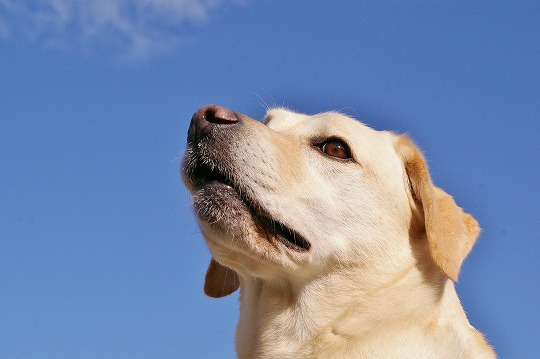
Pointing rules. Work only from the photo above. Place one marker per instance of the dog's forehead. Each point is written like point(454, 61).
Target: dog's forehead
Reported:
point(280, 119)
point(326, 123)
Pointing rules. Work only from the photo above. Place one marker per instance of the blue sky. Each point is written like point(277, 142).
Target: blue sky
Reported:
point(100, 256)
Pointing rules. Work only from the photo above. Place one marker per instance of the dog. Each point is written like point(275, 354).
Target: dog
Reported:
point(339, 242)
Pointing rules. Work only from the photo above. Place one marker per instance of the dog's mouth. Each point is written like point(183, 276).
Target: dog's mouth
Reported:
point(207, 178)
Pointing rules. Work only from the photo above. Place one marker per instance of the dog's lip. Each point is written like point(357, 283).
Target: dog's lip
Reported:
point(204, 177)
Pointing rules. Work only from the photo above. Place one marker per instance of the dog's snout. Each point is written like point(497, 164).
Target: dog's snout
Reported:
point(206, 118)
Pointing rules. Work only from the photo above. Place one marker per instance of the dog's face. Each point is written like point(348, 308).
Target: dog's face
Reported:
point(301, 195)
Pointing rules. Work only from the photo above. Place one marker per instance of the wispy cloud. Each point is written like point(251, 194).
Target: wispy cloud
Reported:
point(123, 29)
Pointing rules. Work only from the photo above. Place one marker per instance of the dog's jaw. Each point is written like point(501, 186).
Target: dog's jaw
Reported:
point(223, 204)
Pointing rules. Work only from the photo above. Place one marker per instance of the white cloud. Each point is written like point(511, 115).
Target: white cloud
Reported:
point(124, 29)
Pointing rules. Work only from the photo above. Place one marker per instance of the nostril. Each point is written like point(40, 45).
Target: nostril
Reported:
point(220, 115)
point(210, 115)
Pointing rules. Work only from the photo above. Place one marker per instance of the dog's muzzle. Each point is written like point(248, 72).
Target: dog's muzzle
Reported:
point(218, 191)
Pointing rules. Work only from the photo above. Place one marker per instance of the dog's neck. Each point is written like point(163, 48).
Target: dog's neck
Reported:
point(285, 320)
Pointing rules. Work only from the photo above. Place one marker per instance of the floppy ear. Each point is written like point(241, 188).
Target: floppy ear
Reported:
point(450, 231)
point(220, 281)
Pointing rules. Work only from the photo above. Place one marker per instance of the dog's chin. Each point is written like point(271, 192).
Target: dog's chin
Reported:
point(219, 206)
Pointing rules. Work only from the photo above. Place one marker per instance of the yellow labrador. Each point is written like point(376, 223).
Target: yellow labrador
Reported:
point(339, 242)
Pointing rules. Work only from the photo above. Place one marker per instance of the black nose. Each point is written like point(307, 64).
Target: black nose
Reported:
point(208, 117)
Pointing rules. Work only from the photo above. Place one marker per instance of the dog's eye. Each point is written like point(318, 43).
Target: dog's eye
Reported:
point(336, 148)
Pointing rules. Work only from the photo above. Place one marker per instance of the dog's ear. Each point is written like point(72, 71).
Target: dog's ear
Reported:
point(220, 281)
point(450, 231)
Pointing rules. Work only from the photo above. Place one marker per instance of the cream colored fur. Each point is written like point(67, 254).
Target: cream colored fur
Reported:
point(386, 245)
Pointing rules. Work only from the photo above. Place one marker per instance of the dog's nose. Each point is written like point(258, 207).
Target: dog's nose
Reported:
point(206, 118)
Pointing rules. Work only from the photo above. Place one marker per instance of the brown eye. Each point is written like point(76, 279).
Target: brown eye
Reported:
point(336, 148)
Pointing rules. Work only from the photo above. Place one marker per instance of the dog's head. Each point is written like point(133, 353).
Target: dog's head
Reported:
point(298, 195)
